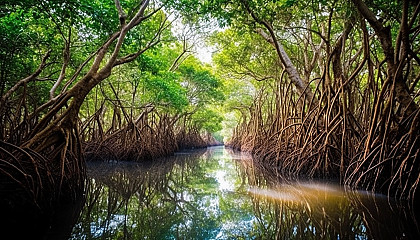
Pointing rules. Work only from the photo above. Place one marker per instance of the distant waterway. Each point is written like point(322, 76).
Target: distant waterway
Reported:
point(220, 194)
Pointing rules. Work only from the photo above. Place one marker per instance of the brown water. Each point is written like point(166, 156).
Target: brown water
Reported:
point(219, 194)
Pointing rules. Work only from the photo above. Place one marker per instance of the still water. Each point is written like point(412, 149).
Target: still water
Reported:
point(220, 194)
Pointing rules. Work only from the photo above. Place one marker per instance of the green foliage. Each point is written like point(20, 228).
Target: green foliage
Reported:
point(165, 90)
point(208, 120)
point(202, 86)
point(205, 93)
point(19, 33)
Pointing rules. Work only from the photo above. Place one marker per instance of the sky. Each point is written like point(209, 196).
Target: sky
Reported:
point(195, 37)
point(204, 53)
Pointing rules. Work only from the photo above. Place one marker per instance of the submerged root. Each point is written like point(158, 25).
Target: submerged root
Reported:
point(391, 166)
point(28, 177)
point(131, 143)
point(337, 149)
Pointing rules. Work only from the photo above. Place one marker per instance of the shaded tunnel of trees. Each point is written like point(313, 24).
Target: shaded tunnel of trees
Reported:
point(321, 88)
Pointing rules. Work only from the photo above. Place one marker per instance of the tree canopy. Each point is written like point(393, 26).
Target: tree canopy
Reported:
point(326, 88)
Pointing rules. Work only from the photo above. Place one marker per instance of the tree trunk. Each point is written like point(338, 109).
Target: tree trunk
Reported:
point(395, 57)
point(303, 88)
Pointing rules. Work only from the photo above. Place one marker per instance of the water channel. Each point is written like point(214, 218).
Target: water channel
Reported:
point(221, 194)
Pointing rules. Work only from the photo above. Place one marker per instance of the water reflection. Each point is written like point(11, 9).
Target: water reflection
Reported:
point(314, 210)
point(218, 194)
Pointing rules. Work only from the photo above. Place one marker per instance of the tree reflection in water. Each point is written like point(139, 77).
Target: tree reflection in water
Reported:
point(288, 209)
point(206, 195)
point(133, 201)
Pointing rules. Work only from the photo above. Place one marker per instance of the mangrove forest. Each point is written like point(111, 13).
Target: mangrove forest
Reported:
point(209, 119)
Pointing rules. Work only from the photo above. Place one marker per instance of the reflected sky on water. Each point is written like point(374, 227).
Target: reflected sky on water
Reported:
point(219, 194)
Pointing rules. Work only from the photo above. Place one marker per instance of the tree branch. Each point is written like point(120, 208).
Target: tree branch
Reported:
point(284, 58)
point(384, 33)
point(25, 80)
point(153, 42)
point(66, 59)
point(122, 15)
